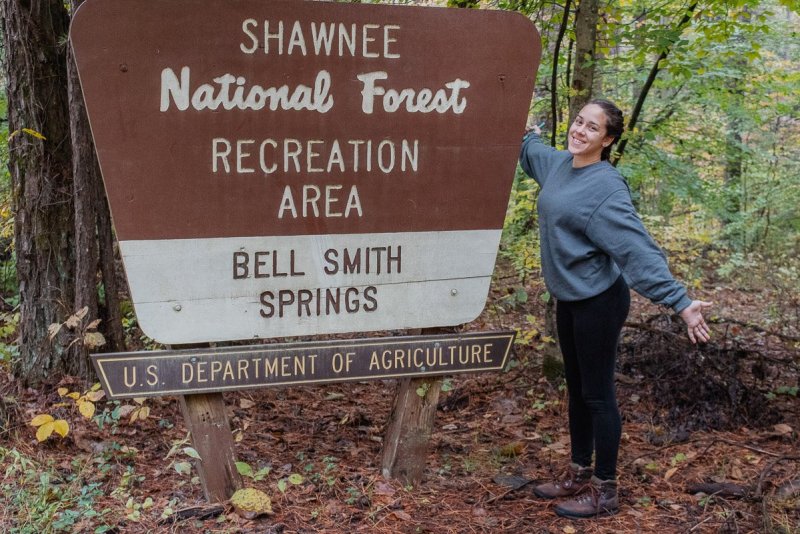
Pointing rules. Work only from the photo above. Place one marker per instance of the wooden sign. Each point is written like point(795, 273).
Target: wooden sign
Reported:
point(155, 373)
point(286, 168)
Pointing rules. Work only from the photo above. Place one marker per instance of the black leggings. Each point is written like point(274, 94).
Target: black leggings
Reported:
point(588, 332)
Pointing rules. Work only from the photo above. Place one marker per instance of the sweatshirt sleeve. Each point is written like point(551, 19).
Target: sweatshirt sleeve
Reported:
point(536, 158)
point(616, 228)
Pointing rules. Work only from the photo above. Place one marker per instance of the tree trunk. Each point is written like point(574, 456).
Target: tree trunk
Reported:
point(41, 176)
point(583, 74)
point(94, 239)
point(554, 78)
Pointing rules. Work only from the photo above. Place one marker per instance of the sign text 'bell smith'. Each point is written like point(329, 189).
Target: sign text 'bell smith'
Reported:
point(287, 168)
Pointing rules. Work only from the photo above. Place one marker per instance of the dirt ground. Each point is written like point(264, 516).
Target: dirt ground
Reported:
point(725, 414)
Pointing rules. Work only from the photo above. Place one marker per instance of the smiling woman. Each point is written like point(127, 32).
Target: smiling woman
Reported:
point(593, 245)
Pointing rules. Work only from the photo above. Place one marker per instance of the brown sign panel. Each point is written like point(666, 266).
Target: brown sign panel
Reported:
point(147, 374)
point(286, 168)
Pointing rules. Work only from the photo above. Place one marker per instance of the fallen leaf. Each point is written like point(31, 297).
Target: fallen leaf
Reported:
point(246, 403)
point(671, 471)
point(250, 503)
point(399, 514)
point(39, 420)
point(125, 411)
point(783, 429)
point(382, 488)
point(61, 427)
point(45, 431)
point(86, 408)
point(95, 396)
point(512, 450)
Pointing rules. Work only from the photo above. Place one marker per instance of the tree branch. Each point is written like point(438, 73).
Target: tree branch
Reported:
point(651, 78)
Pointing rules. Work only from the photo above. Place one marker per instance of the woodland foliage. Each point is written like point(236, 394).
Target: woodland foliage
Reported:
point(714, 146)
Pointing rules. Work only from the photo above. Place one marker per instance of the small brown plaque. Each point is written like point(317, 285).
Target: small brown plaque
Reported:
point(150, 374)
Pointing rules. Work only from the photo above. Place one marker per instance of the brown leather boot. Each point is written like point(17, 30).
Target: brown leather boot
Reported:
point(574, 481)
point(599, 501)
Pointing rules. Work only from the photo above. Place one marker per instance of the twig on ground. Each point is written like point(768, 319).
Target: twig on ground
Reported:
point(766, 471)
point(752, 326)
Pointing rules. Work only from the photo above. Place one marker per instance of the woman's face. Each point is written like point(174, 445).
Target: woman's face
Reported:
point(587, 135)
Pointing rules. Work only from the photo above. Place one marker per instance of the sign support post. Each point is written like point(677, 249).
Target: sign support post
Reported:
point(410, 425)
point(208, 426)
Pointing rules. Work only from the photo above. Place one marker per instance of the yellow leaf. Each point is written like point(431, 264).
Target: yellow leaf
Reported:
point(44, 431)
point(569, 529)
point(61, 427)
point(250, 503)
point(74, 395)
point(144, 413)
point(62, 391)
point(34, 133)
point(134, 416)
point(96, 386)
point(671, 471)
point(139, 400)
point(39, 420)
point(86, 408)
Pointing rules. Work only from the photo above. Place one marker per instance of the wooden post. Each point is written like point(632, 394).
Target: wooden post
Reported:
point(208, 425)
point(212, 439)
point(405, 445)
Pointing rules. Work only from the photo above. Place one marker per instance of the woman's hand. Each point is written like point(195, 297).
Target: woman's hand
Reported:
point(696, 326)
point(535, 128)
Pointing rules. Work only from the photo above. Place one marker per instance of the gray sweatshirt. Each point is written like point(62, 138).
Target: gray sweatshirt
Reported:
point(590, 231)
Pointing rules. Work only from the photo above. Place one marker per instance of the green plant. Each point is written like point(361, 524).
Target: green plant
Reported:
point(245, 470)
point(42, 499)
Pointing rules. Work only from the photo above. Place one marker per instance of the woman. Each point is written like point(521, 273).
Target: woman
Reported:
point(591, 235)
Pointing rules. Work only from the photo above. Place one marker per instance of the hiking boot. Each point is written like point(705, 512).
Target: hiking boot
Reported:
point(574, 481)
point(599, 501)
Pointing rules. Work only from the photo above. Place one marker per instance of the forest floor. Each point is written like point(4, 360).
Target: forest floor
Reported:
point(725, 414)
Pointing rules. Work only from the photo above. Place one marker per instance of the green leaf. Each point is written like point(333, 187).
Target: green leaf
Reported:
point(191, 453)
point(296, 478)
point(282, 485)
point(244, 469)
point(183, 468)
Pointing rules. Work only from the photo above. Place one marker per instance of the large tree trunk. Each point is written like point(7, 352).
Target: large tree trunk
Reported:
point(583, 74)
point(94, 239)
point(41, 175)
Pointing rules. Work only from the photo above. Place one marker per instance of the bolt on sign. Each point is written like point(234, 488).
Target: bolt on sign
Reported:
point(287, 168)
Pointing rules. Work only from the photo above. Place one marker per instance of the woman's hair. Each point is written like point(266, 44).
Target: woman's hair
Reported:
point(615, 123)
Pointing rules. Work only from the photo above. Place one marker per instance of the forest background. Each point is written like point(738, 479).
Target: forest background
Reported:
point(711, 94)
